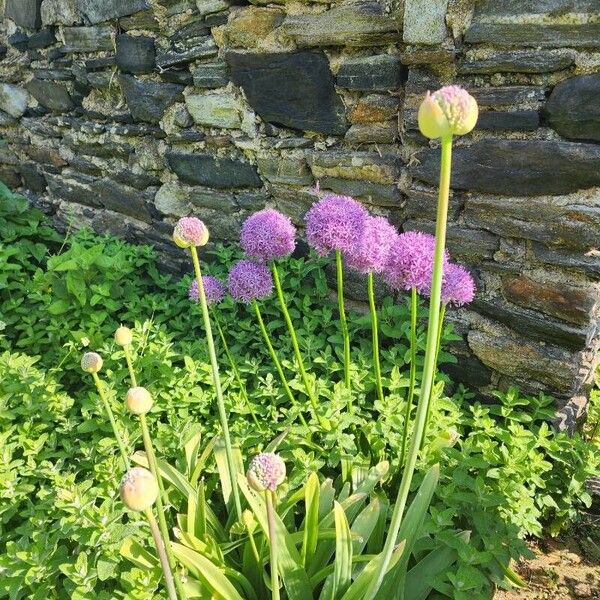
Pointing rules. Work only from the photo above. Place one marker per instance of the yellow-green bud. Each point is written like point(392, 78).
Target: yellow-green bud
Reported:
point(123, 336)
point(266, 472)
point(138, 400)
point(190, 231)
point(139, 489)
point(91, 362)
point(449, 111)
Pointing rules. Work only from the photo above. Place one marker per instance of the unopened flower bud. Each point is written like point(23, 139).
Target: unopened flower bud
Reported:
point(190, 231)
point(449, 111)
point(138, 400)
point(123, 336)
point(139, 489)
point(266, 472)
point(91, 362)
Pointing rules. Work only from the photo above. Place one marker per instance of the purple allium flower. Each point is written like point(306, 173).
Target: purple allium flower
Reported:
point(410, 262)
point(335, 223)
point(458, 287)
point(370, 254)
point(190, 231)
point(214, 290)
point(249, 280)
point(266, 472)
point(268, 234)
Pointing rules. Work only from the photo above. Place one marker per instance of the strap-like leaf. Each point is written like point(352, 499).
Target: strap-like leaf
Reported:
point(311, 521)
point(137, 554)
point(342, 569)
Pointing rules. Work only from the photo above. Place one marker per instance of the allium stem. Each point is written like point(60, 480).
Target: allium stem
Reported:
point(288, 321)
point(272, 545)
point(129, 360)
point(343, 321)
point(236, 371)
point(160, 548)
point(217, 383)
point(276, 362)
point(414, 307)
point(428, 369)
point(375, 330)
point(111, 418)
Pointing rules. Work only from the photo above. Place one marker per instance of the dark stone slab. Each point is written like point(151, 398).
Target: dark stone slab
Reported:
point(19, 40)
point(295, 90)
point(140, 181)
point(469, 369)
point(349, 164)
point(148, 100)
point(3, 51)
point(520, 167)
point(87, 39)
point(371, 73)
point(573, 108)
point(180, 76)
point(374, 108)
point(374, 193)
point(72, 187)
point(291, 171)
point(210, 75)
point(518, 120)
point(205, 198)
point(42, 39)
point(211, 171)
point(135, 54)
point(54, 74)
point(143, 19)
point(122, 199)
point(586, 263)
point(25, 13)
point(506, 23)
point(542, 61)
point(508, 95)
point(51, 95)
point(33, 178)
point(193, 29)
point(204, 48)
point(96, 11)
point(372, 133)
point(216, 19)
point(97, 64)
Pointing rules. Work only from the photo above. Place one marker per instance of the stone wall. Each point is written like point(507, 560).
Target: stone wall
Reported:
point(125, 114)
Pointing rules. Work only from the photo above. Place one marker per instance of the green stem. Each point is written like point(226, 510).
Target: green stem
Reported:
point(160, 548)
point(217, 383)
point(343, 321)
point(276, 362)
point(111, 418)
point(428, 368)
point(437, 356)
point(236, 371)
point(272, 545)
point(414, 307)
point(375, 330)
point(129, 360)
point(288, 321)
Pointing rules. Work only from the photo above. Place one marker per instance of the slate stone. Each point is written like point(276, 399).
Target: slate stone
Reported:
point(508, 95)
point(424, 21)
point(348, 164)
point(510, 23)
point(520, 167)
point(210, 75)
point(61, 12)
point(220, 201)
point(96, 12)
point(96, 64)
point(204, 48)
point(51, 95)
point(541, 61)
point(3, 51)
point(518, 120)
point(374, 108)
point(140, 181)
point(588, 264)
point(372, 133)
point(121, 199)
point(19, 40)
point(33, 178)
point(373, 193)
point(6, 120)
point(573, 109)
point(291, 89)
point(135, 54)
point(193, 29)
point(211, 171)
point(25, 13)
point(358, 23)
point(13, 100)
point(371, 73)
point(290, 171)
point(143, 19)
point(148, 100)
point(180, 76)
point(221, 110)
point(87, 39)
point(41, 39)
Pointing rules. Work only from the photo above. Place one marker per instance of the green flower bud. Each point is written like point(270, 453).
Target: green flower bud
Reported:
point(91, 362)
point(190, 231)
point(139, 489)
point(266, 472)
point(138, 400)
point(449, 111)
point(123, 336)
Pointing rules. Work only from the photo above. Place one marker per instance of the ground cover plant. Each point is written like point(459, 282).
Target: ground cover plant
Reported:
point(317, 403)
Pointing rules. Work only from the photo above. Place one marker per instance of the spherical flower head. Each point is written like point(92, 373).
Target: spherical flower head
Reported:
point(123, 336)
point(458, 286)
point(214, 290)
point(190, 231)
point(449, 111)
point(139, 489)
point(249, 280)
point(138, 400)
point(335, 223)
point(371, 252)
point(410, 262)
point(91, 362)
point(266, 472)
point(267, 235)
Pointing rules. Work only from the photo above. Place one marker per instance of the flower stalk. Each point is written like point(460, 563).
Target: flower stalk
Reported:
point(162, 555)
point(269, 499)
point(343, 321)
point(375, 336)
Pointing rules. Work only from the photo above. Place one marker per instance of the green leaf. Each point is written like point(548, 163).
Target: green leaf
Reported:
point(342, 572)
point(134, 552)
point(223, 468)
point(311, 521)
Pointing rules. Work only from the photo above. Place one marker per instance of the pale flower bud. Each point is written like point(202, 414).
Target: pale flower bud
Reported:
point(138, 400)
point(139, 489)
point(123, 336)
point(266, 472)
point(449, 111)
point(91, 362)
point(190, 231)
